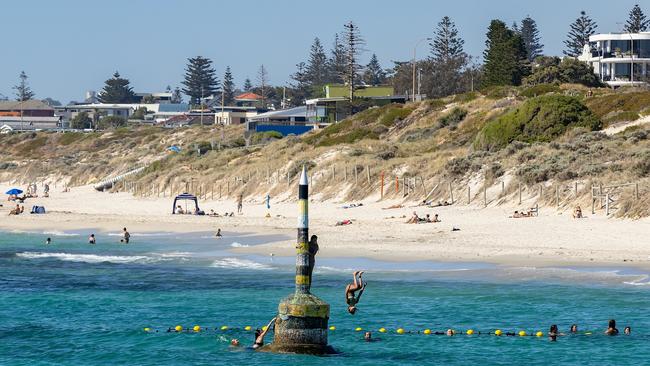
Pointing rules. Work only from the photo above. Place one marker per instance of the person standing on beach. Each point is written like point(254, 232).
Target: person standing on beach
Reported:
point(313, 249)
point(125, 237)
point(240, 204)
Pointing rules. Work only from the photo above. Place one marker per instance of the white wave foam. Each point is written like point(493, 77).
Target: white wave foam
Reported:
point(87, 258)
point(174, 254)
point(59, 233)
point(239, 245)
point(239, 263)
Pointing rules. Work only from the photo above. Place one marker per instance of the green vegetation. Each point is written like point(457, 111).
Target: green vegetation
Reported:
point(453, 118)
point(538, 119)
point(539, 89)
point(620, 106)
point(547, 70)
point(111, 122)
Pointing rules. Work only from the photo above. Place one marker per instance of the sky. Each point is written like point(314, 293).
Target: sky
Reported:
point(67, 47)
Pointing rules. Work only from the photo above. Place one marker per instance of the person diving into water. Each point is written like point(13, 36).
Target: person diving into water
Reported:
point(351, 298)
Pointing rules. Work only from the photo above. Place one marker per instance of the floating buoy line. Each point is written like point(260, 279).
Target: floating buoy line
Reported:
point(383, 330)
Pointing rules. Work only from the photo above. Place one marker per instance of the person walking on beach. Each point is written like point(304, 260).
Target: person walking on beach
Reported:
point(91, 239)
point(313, 249)
point(125, 237)
point(350, 290)
point(240, 204)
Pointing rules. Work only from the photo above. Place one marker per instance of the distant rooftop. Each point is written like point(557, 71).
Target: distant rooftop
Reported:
point(14, 105)
point(248, 96)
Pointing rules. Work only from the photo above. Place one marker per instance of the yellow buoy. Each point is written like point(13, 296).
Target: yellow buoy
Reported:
point(497, 332)
point(382, 330)
point(400, 331)
point(522, 333)
point(427, 331)
point(264, 327)
point(539, 334)
point(470, 332)
point(332, 328)
point(147, 329)
point(224, 327)
point(197, 328)
point(358, 329)
point(178, 328)
point(247, 328)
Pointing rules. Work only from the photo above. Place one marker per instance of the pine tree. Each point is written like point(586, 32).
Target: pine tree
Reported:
point(336, 63)
point(302, 83)
point(443, 71)
point(228, 87)
point(530, 36)
point(177, 96)
point(505, 56)
point(200, 79)
point(353, 47)
point(579, 33)
point(316, 69)
point(374, 74)
point(116, 90)
point(263, 84)
point(637, 22)
point(23, 91)
point(248, 86)
point(446, 43)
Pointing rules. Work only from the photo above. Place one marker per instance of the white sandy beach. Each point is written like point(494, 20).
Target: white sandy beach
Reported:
point(486, 234)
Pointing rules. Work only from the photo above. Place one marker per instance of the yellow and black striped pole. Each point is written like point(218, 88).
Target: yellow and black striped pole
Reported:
point(303, 282)
point(301, 324)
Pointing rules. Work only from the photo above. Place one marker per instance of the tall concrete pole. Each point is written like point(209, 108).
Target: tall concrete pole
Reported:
point(302, 244)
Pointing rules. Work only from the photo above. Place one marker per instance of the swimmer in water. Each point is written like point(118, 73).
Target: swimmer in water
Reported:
point(611, 328)
point(125, 236)
point(218, 234)
point(357, 285)
point(48, 241)
point(574, 328)
point(91, 239)
point(553, 333)
point(627, 330)
point(260, 334)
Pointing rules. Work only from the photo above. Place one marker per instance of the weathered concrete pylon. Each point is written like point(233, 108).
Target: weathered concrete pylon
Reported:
point(301, 324)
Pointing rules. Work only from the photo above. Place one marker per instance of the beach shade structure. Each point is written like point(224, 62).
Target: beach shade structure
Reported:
point(14, 191)
point(302, 321)
point(187, 198)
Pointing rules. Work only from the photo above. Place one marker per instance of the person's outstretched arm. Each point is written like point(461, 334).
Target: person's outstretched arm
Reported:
point(260, 338)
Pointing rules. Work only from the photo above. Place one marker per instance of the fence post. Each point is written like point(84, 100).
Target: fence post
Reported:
point(356, 177)
point(636, 191)
point(557, 196)
point(382, 186)
point(451, 194)
point(503, 188)
point(368, 174)
point(469, 195)
point(345, 173)
point(484, 195)
point(396, 184)
point(520, 193)
point(575, 188)
point(607, 204)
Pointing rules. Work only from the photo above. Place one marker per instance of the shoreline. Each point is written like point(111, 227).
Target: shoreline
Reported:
point(486, 234)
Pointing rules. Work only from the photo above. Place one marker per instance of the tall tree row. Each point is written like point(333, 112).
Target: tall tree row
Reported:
point(445, 67)
point(531, 38)
point(228, 87)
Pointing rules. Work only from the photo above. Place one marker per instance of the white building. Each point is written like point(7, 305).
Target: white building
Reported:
point(620, 59)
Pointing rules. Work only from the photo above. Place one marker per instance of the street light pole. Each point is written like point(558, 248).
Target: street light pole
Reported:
point(201, 104)
point(414, 60)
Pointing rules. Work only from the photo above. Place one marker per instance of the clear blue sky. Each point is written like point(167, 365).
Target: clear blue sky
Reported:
point(70, 46)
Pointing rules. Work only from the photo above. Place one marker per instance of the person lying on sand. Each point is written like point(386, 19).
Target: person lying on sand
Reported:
point(414, 219)
point(577, 213)
point(261, 333)
point(392, 207)
point(350, 290)
point(520, 214)
point(343, 223)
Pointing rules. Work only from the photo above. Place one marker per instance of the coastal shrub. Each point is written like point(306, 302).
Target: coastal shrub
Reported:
point(499, 92)
point(111, 122)
point(642, 165)
point(453, 118)
point(391, 115)
point(620, 116)
point(493, 171)
point(69, 137)
point(265, 137)
point(457, 167)
point(538, 119)
point(7, 166)
point(540, 89)
point(465, 97)
point(389, 153)
point(547, 70)
point(603, 105)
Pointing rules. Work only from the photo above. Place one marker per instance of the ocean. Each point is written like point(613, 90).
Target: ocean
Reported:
point(70, 303)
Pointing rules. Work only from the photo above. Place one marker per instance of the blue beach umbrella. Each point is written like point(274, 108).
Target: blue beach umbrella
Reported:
point(14, 191)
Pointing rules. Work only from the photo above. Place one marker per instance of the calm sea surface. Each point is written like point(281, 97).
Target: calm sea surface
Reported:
point(70, 303)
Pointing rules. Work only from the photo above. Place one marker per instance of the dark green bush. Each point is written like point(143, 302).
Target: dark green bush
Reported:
point(453, 118)
point(539, 89)
point(538, 119)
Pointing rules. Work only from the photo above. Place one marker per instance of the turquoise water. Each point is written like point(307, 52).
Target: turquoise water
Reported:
point(74, 304)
